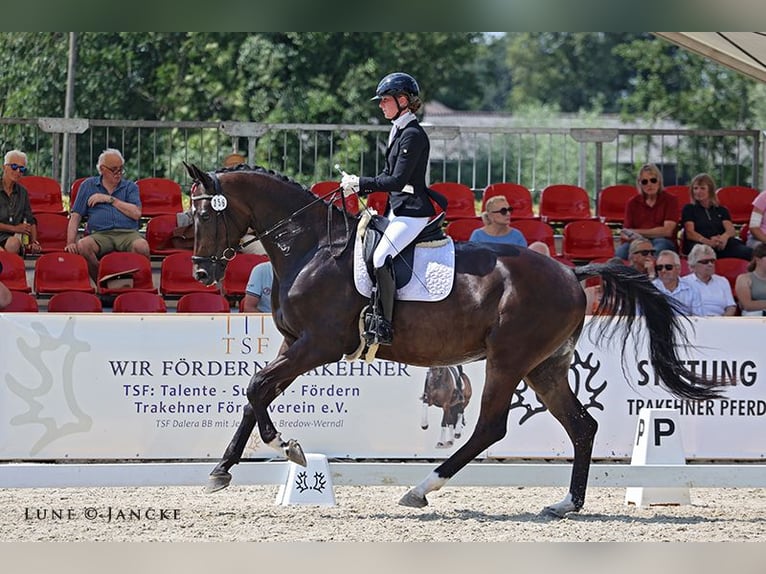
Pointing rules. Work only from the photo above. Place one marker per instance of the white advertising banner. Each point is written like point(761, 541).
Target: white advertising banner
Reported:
point(125, 387)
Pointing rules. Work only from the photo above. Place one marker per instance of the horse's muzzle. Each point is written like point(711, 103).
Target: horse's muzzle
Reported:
point(203, 276)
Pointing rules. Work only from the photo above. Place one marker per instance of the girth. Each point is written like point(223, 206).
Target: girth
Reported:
point(403, 262)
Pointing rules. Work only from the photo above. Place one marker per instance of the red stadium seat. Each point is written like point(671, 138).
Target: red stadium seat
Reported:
point(52, 231)
point(682, 194)
point(536, 230)
point(461, 229)
point(74, 302)
point(44, 194)
point(518, 196)
point(117, 262)
point(460, 200)
point(612, 201)
point(159, 235)
point(21, 302)
point(177, 277)
point(139, 302)
point(61, 271)
point(377, 200)
point(14, 273)
point(159, 196)
point(73, 189)
point(587, 239)
point(322, 188)
point(237, 273)
point(738, 200)
point(563, 203)
point(731, 268)
point(203, 303)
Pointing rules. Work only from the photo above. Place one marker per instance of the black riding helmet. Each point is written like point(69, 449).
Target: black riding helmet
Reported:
point(395, 84)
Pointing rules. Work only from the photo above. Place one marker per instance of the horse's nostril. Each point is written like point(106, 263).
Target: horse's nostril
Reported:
point(200, 275)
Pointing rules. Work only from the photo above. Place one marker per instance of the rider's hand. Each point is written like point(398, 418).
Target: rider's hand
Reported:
point(349, 184)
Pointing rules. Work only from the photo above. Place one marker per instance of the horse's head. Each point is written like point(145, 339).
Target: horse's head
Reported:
point(217, 229)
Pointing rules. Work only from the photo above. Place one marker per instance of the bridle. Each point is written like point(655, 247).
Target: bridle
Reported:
point(219, 206)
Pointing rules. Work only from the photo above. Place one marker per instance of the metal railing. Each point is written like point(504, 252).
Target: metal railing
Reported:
point(475, 155)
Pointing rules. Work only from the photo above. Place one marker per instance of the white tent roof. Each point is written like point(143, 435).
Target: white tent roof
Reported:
point(742, 51)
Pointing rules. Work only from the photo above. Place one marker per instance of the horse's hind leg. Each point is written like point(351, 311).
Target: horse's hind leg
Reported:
point(220, 477)
point(549, 381)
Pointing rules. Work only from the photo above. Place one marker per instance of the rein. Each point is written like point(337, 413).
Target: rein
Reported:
point(229, 252)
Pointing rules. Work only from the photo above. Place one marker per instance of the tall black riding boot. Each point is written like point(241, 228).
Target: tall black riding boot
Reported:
point(378, 321)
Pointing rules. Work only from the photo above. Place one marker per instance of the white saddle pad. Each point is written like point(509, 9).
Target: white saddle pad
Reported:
point(432, 276)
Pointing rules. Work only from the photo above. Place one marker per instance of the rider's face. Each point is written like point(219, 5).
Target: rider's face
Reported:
point(388, 107)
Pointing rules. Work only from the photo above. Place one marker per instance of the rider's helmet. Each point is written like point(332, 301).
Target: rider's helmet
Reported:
point(395, 84)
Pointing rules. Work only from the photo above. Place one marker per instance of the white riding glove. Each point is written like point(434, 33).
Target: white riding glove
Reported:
point(349, 184)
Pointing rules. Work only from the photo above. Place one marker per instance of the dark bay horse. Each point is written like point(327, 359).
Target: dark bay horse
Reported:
point(518, 310)
point(442, 389)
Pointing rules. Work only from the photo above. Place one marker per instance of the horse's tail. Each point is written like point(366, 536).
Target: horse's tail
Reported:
point(629, 294)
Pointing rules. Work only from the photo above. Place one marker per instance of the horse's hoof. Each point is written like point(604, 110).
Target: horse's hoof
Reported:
point(294, 452)
point(557, 511)
point(458, 435)
point(441, 444)
point(216, 482)
point(424, 427)
point(413, 500)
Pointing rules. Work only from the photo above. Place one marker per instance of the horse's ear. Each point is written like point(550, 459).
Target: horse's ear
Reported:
point(194, 172)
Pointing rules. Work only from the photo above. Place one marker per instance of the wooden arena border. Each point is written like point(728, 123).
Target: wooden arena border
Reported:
point(39, 475)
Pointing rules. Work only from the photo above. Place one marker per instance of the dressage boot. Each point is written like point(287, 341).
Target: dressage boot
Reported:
point(378, 320)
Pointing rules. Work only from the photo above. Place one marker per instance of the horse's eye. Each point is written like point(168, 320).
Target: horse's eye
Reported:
point(204, 216)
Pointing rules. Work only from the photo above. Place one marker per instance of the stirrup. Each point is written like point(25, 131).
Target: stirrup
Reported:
point(377, 330)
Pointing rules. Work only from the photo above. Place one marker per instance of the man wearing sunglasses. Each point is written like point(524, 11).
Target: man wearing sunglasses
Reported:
point(669, 283)
point(653, 213)
point(642, 257)
point(16, 218)
point(112, 207)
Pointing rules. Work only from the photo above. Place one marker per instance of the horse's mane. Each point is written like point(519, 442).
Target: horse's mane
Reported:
point(273, 174)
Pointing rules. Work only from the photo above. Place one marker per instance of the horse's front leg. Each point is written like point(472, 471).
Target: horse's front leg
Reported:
point(220, 477)
point(266, 385)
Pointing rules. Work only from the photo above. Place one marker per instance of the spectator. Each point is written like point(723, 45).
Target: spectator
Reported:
point(669, 283)
point(258, 290)
point(751, 286)
point(757, 224)
point(233, 160)
point(113, 208)
point(641, 256)
point(715, 291)
point(497, 224)
point(5, 293)
point(16, 218)
point(708, 223)
point(541, 247)
point(652, 214)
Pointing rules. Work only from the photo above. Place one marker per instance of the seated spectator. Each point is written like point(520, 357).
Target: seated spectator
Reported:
point(497, 224)
point(751, 286)
point(641, 256)
point(652, 214)
point(757, 224)
point(17, 223)
point(669, 282)
point(714, 290)
point(113, 208)
point(708, 223)
point(233, 160)
point(258, 290)
point(541, 247)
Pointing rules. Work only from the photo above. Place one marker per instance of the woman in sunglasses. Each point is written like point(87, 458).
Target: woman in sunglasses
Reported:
point(497, 224)
point(652, 214)
point(707, 222)
point(16, 219)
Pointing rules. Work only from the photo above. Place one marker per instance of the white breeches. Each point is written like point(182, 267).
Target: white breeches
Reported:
point(399, 233)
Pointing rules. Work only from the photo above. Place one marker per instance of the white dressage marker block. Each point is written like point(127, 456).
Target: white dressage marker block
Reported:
point(658, 441)
point(311, 484)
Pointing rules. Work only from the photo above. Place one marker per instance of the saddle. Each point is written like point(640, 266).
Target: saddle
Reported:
point(403, 262)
